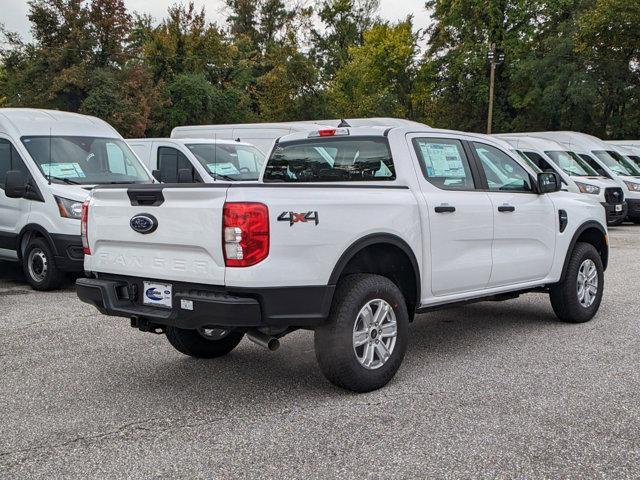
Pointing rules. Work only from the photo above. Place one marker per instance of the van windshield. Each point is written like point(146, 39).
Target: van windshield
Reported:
point(85, 160)
point(618, 165)
point(572, 165)
point(229, 161)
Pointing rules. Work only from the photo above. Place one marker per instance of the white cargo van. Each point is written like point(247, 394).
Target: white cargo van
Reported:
point(49, 162)
point(605, 158)
point(630, 152)
point(263, 135)
point(576, 174)
point(199, 160)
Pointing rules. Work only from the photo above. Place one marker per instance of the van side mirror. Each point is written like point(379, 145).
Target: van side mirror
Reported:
point(549, 182)
point(15, 184)
point(156, 174)
point(185, 175)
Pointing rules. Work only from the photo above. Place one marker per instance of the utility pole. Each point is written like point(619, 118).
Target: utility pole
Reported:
point(495, 58)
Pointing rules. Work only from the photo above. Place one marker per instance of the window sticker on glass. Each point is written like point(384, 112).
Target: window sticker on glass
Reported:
point(226, 168)
point(442, 160)
point(63, 170)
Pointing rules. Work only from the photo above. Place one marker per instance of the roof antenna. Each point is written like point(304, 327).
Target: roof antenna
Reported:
point(49, 173)
point(344, 124)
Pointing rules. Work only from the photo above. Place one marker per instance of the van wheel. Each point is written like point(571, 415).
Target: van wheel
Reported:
point(205, 342)
point(363, 343)
point(39, 266)
point(577, 298)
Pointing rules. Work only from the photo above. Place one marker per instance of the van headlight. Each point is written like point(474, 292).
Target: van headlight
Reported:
point(633, 187)
point(69, 208)
point(584, 188)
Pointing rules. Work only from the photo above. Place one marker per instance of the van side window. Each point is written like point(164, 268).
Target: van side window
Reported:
point(504, 174)
point(444, 163)
point(10, 160)
point(170, 161)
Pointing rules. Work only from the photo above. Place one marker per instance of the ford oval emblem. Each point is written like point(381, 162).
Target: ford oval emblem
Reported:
point(144, 223)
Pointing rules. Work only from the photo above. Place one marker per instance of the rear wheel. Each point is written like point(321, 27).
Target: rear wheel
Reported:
point(577, 298)
point(205, 342)
point(39, 266)
point(363, 343)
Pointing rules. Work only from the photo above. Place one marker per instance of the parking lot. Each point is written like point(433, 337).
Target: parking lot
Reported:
point(489, 390)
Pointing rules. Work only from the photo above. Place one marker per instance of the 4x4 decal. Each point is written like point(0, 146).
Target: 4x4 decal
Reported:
point(294, 218)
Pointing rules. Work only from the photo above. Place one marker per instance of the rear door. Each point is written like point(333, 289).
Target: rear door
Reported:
point(458, 214)
point(524, 222)
point(184, 245)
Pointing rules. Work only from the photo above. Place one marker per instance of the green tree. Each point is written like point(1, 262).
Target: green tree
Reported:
point(378, 79)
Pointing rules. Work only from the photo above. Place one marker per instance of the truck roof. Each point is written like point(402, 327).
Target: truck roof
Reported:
point(306, 125)
point(19, 122)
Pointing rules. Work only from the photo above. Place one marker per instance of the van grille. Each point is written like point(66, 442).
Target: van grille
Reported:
point(613, 195)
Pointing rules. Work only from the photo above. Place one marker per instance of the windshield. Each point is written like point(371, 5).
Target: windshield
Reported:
point(572, 165)
point(229, 161)
point(85, 160)
point(610, 160)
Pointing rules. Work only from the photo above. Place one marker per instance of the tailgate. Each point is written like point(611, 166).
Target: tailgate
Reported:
point(185, 241)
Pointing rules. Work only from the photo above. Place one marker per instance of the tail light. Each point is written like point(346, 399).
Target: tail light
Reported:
point(245, 232)
point(84, 220)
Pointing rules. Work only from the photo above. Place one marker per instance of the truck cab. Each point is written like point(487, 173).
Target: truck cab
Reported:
point(49, 163)
point(198, 160)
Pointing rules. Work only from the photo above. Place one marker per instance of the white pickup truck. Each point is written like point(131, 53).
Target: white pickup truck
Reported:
point(350, 233)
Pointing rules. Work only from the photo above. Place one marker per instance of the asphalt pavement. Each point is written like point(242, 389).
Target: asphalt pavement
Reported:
point(491, 390)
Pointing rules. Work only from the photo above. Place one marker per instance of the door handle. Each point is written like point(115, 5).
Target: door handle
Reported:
point(506, 208)
point(445, 209)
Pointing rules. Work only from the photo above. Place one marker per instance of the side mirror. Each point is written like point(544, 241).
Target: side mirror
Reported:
point(549, 182)
point(15, 184)
point(185, 175)
point(156, 174)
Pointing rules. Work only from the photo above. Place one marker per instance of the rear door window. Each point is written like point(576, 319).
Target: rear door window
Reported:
point(331, 160)
point(444, 163)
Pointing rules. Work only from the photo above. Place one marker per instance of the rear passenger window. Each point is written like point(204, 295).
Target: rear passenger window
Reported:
point(10, 160)
point(444, 163)
point(331, 160)
point(170, 161)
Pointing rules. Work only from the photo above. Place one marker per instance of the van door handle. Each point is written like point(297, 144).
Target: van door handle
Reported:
point(506, 208)
point(445, 209)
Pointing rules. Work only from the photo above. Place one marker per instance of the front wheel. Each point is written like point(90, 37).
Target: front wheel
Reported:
point(39, 266)
point(205, 342)
point(363, 343)
point(577, 298)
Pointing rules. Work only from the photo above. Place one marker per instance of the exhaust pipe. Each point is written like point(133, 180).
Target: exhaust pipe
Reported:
point(264, 340)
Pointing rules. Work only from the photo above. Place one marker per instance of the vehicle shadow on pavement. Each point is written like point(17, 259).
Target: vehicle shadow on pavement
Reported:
point(11, 276)
point(250, 371)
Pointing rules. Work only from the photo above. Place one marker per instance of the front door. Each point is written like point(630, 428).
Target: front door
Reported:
point(524, 222)
point(460, 217)
point(11, 209)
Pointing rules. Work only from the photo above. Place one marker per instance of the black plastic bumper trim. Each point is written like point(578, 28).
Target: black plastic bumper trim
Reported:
point(212, 305)
point(68, 252)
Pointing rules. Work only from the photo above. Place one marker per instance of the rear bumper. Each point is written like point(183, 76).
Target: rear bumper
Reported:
point(634, 208)
point(212, 306)
point(68, 254)
point(612, 215)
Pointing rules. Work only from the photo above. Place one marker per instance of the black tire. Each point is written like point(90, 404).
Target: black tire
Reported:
point(195, 344)
point(334, 345)
point(564, 295)
point(635, 220)
point(44, 274)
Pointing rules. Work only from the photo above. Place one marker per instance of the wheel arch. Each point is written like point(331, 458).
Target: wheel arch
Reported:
point(593, 233)
point(394, 259)
point(33, 230)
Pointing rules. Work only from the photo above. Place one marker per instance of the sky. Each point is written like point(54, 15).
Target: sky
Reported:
point(13, 13)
